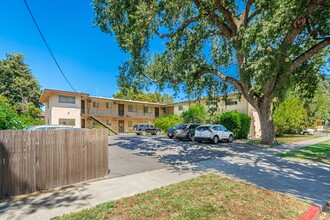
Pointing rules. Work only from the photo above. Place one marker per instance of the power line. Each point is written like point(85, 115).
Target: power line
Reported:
point(50, 51)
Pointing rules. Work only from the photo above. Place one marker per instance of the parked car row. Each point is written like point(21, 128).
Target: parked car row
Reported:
point(199, 132)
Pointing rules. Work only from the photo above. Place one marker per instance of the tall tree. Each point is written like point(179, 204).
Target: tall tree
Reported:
point(132, 94)
point(269, 44)
point(17, 83)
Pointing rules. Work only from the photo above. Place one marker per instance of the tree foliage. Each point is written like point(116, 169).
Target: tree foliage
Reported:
point(17, 83)
point(167, 121)
point(132, 94)
point(317, 105)
point(195, 114)
point(9, 119)
point(236, 122)
point(259, 47)
point(290, 117)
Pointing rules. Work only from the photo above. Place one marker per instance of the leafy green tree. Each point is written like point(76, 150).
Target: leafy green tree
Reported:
point(195, 114)
point(317, 105)
point(167, 121)
point(9, 119)
point(17, 83)
point(270, 44)
point(290, 116)
point(131, 94)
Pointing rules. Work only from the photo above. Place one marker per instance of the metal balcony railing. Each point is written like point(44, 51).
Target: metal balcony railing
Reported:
point(117, 113)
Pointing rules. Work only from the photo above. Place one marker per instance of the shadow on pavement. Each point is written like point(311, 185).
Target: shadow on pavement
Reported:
point(180, 155)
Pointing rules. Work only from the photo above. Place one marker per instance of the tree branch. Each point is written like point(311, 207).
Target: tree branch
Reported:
point(245, 15)
point(299, 23)
point(181, 28)
point(231, 18)
point(309, 53)
point(215, 19)
point(148, 77)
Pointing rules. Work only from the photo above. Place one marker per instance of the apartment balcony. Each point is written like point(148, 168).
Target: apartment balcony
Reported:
point(118, 113)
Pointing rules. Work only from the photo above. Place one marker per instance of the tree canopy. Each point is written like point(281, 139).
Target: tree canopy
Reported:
point(132, 94)
point(17, 83)
point(260, 47)
point(290, 116)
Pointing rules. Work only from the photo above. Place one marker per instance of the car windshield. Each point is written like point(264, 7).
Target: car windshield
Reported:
point(202, 128)
point(182, 126)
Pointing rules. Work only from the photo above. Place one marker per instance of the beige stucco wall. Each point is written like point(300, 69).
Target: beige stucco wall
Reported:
point(57, 110)
point(242, 105)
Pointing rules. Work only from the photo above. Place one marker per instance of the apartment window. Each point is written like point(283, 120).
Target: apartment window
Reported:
point(130, 124)
point(182, 108)
point(132, 108)
point(147, 110)
point(48, 104)
point(67, 99)
point(231, 102)
point(164, 110)
point(109, 122)
point(67, 121)
point(108, 105)
point(95, 104)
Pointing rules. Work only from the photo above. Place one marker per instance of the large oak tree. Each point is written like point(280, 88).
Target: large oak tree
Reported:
point(269, 44)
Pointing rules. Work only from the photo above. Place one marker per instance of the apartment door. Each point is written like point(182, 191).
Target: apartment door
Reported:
point(156, 112)
point(121, 109)
point(83, 106)
point(121, 127)
point(83, 125)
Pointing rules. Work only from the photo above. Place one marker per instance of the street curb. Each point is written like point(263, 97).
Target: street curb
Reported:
point(312, 213)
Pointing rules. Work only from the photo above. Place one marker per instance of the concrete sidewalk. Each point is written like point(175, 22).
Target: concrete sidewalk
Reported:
point(86, 195)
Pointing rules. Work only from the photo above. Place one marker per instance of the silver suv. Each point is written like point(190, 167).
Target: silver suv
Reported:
point(213, 133)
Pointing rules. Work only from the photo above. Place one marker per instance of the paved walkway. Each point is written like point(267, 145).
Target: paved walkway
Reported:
point(73, 199)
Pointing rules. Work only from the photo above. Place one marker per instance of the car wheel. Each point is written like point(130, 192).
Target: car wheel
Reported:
point(158, 132)
point(138, 133)
point(215, 140)
point(305, 133)
point(170, 137)
point(231, 138)
point(144, 133)
point(199, 141)
point(192, 137)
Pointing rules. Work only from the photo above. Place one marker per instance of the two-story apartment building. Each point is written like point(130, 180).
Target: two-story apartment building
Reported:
point(84, 111)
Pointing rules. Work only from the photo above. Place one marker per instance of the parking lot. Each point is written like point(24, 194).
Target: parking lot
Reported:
point(130, 154)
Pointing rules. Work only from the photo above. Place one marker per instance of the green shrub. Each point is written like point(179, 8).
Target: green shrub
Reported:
point(290, 117)
point(165, 122)
point(237, 123)
point(245, 126)
point(195, 114)
point(9, 119)
point(231, 120)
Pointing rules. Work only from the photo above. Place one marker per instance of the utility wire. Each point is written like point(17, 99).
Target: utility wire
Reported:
point(50, 51)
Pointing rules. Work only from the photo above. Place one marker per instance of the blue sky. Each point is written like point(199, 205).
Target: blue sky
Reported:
point(88, 57)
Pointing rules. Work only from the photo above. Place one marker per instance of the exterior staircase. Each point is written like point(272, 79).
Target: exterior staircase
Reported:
point(101, 123)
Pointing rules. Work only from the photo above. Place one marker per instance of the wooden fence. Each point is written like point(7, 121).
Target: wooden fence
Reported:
point(37, 160)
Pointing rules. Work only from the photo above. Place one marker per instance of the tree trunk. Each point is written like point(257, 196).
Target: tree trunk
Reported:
point(266, 123)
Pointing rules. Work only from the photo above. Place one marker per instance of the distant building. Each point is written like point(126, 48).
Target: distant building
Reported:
point(84, 111)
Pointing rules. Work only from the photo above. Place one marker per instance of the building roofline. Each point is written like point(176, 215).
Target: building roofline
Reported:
point(47, 92)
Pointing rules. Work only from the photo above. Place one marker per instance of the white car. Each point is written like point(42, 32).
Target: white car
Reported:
point(308, 131)
point(48, 127)
point(213, 133)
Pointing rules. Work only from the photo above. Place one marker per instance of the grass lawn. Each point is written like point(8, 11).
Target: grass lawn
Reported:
point(318, 152)
point(286, 139)
point(206, 197)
